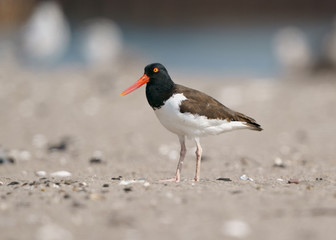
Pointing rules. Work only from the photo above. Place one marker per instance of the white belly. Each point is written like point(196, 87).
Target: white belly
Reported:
point(190, 125)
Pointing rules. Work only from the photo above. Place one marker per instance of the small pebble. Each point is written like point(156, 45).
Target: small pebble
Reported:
point(95, 160)
point(246, 178)
point(106, 185)
point(128, 189)
point(319, 179)
point(1, 183)
point(32, 183)
point(60, 174)
point(68, 182)
point(41, 173)
point(11, 160)
point(116, 178)
point(62, 146)
point(146, 184)
point(293, 181)
point(96, 196)
point(224, 179)
point(278, 163)
point(126, 182)
point(66, 196)
point(82, 184)
point(13, 183)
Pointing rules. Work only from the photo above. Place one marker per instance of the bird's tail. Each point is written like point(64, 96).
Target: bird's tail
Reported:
point(250, 122)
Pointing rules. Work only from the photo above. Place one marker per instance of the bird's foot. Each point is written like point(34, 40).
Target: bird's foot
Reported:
point(174, 179)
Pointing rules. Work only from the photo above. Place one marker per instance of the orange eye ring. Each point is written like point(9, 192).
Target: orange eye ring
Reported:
point(155, 70)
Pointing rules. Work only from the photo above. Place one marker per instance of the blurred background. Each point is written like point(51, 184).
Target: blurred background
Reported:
point(221, 38)
point(63, 63)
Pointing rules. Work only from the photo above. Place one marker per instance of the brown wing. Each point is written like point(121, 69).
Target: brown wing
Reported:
point(204, 105)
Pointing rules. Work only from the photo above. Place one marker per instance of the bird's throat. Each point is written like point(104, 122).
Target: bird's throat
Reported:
point(158, 92)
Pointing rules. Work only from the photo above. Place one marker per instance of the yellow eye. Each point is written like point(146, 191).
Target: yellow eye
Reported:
point(155, 70)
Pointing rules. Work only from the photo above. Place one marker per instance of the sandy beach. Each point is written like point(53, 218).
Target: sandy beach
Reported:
point(112, 151)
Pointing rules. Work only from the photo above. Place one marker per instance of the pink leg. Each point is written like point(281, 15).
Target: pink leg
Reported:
point(183, 152)
point(198, 159)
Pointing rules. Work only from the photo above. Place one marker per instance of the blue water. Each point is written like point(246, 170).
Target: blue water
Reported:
point(243, 50)
point(218, 50)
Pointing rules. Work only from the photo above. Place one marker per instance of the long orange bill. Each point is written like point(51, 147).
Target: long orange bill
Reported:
point(144, 79)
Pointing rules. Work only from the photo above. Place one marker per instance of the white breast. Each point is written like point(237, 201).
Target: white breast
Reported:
point(190, 125)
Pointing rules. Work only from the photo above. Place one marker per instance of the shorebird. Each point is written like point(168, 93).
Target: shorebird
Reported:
point(187, 112)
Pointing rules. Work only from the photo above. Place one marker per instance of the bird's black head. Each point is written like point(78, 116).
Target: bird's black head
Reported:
point(157, 78)
point(156, 71)
point(159, 85)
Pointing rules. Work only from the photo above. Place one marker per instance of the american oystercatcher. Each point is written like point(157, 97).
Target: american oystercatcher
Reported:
point(187, 112)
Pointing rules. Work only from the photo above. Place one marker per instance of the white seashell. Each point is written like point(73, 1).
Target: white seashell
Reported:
point(246, 178)
point(41, 173)
point(61, 174)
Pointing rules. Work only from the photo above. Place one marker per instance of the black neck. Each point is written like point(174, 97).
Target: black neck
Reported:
point(158, 91)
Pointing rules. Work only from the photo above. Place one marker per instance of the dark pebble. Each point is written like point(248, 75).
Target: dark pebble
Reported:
point(224, 179)
point(116, 178)
point(69, 182)
point(293, 181)
point(62, 146)
point(106, 185)
point(281, 165)
point(32, 183)
point(66, 196)
point(127, 189)
point(95, 160)
point(11, 160)
point(319, 179)
point(13, 183)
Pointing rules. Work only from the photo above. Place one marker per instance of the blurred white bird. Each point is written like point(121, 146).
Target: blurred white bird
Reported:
point(46, 35)
point(292, 49)
point(101, 42)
